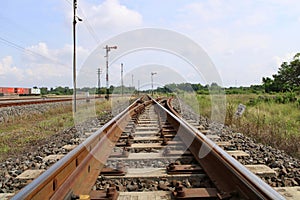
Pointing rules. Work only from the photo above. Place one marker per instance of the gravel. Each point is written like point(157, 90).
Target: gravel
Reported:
point(32, 158)
point(287, 167)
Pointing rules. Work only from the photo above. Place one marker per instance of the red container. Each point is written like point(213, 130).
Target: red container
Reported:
point(6, 90)
point(22, 91)
point(10, 91)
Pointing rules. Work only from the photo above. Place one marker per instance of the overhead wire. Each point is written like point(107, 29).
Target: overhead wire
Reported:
point(20, 48)
point(86, 23)
point(89, 27)
point(23, 49)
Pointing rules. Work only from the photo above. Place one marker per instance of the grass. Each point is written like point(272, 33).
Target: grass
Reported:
point(273, 124)
point(269, 122)
point(23, 130)
point(19, 132)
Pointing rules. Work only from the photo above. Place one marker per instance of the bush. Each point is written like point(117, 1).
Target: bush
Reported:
point(298, 103)
point(252, 102)
point(288, 97)
point(279, 99)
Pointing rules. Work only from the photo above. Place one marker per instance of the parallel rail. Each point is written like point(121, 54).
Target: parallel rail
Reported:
point(78, 171)
point(19, 102)
point(220, 166)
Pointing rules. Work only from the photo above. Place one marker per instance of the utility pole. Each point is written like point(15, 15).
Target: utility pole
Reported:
point(132, 81)
point(138, 89)
point(122, 86)
point(74, 51)
point(106, 55)
point(99, 81)
point(152, 73)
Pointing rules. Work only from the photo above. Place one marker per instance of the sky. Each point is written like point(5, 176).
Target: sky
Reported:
point(245, 40)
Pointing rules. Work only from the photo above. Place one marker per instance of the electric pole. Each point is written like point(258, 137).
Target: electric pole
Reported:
point(122, 87)
point(138, 89)
point(106, 55)
point(132, 81)
point(152, 73)
point(74, 51)
point(99, 81)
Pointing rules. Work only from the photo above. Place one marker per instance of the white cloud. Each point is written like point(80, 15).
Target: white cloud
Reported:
point(41, 66)
point(112, 15)
point(206, 11)
point(105, 19)
point(54, 66)
point(9, 73)
point(41, 54)
point(284, 58)
point(256, 18)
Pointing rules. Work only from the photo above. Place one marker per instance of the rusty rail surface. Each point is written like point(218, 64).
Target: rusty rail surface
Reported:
point(21, 102)
point(39, 101)
point(77, 172)
point(230, 177)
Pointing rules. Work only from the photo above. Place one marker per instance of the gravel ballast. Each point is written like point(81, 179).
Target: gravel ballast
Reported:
point(286, 167)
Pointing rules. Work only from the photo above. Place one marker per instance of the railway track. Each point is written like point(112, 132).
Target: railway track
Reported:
point(29, 101)
point(148, 152)
point(21, 102)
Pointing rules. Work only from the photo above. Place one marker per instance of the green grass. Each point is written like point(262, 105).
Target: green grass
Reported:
point(269, 122)
point(21, 131)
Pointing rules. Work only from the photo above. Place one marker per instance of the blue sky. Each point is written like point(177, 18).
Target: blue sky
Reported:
point(246, 40)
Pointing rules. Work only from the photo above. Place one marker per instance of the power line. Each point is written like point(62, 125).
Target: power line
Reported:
point(87, 24)
point(89, 27)
point(69, 2)
point(20, 48)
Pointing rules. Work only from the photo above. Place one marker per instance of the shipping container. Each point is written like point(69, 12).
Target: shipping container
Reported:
point(14, 91)
point(7, 90)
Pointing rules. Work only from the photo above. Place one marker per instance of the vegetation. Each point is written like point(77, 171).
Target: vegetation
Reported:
point(287, 78)
point(272, 113)
point(271, 119)
point(91, 90)
point(26, 130)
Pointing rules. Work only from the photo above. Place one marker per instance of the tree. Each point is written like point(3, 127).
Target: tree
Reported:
point(287, 79)
point(44, 90)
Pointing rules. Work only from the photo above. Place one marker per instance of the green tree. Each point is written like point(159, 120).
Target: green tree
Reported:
point(44, 90)
point(287, 78)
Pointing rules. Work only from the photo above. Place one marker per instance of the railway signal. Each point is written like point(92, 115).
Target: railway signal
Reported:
point(107, 48)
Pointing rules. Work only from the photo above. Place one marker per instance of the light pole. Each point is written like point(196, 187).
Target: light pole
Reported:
point(152, 73)
point(106, 55)
point(74, 51)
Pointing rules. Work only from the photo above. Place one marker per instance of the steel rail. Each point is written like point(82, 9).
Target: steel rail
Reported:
point(38, 101)
point(230, 177)
point(21, 102)
point(77, 172)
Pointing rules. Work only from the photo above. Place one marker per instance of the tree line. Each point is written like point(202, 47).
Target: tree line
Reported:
point(287, 79)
